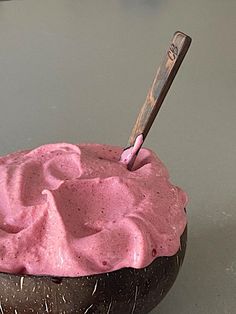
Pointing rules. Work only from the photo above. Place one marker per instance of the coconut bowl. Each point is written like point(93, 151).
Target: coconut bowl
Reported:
point(125, 291)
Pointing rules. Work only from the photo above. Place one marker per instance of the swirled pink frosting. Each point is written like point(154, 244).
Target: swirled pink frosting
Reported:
point(74, 210)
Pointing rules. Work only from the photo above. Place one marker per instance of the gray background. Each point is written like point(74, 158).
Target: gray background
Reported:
point(78, 71)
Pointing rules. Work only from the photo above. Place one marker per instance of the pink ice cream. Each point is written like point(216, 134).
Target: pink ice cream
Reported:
point(74, 210)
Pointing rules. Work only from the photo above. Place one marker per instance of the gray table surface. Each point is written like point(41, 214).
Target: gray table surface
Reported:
point(78, 71)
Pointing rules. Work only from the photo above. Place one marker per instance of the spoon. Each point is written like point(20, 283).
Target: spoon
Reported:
point(156, 95)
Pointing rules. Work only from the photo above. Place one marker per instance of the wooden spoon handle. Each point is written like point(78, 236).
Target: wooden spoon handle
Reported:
point(161, 84)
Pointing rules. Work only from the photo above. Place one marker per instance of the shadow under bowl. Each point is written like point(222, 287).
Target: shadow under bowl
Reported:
point(123, 291)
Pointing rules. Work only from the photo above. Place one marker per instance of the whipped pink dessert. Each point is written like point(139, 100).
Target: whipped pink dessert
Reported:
point(74, 210)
